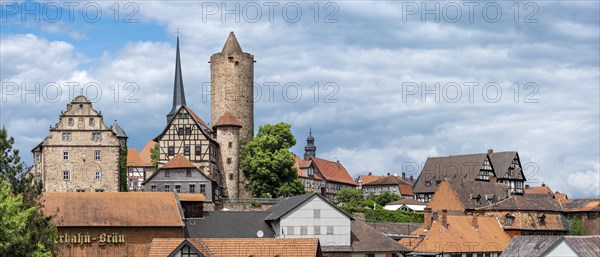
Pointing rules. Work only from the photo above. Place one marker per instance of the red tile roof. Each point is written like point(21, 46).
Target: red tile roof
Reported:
point(541, 190)
point(369, 178)
point(134, 159)
point(227, 119)
point(178, 162)
point(405, 189)
point(302, 164)
point(145, 153)
point(298, 247)
point(196, 117)
point(333, 171)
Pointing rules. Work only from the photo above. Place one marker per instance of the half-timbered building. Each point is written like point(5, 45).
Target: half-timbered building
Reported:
point(509, 170)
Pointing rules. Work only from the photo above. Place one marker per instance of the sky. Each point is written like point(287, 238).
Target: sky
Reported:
point(382, 84)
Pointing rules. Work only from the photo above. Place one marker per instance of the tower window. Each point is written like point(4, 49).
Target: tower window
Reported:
point(66, 175)
point(229, 160)
point(92, 121)
point(230, 176)
point(65, 155)
point(96, 136)
point(230, 144)
point(97, 155)
point(71, 121)
point(509, 219)
point(98, 175)
point(66, 136)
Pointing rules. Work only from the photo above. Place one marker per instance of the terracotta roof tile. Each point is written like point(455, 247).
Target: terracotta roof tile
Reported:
point(227, 119)
point(134, 159)
point(386, 180)
point(191, 197)
point(581, 205)
point(302, 164)
point(178, 162)
point(298, 247)
point(333, 171)
point(541, 190)
point(112, 209)
point(195, 116)
point(460, 236)
point(145, 153)
point(368, 178)
point(405, 189)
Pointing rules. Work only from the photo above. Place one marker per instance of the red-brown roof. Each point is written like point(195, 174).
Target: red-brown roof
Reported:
point(134, 159)
point(333, 171)
point(302, 164)
point(368, 178)
point(178, 162)
point(191, 197)
point(196, 117)
point(405, 189)
point(541, 190)
point(227, 119)
point(145, 153)
point(112, 209)
point(298, 247)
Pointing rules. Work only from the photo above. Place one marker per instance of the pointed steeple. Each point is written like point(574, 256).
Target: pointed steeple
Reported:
point(231, 45)
point(178, 92)
point(310, 150)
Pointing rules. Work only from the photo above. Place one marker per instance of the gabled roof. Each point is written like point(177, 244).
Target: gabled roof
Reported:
point(454, 167)
point(542, 190)
point(119, 132)
point(227, 119)
point(287, 205)
point(522, 203)
point(199, 122)
point(405, 189)
point(581, 205)
point(229, 224)
point(460, 233)
point(178, 162)
point(367, 239)
point(502, 161)
point(302, 164)
point(467, 192)
point(145, 153)
point(529, 246)
point(112, 209)
point(368, 178)
point(297, 247)
point(134, 159)
point(393, 229)
point(585, 246)
point(333, 171)
point(407, 201)
point(386, 180)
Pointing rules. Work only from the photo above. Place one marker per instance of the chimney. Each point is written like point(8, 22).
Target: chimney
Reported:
point(338, 163)
point(526, 186)
point(434, 216)
point(543, 184)
point(427, 217)
point(412, 180)
point(388, 173)
point(493, 179)
point(445, 218)
point(490, 151)
point(404, 176)
point(475, 222)
point(370, 173)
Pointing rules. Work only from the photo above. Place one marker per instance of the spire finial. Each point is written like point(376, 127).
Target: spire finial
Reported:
point(178, 92)
point(178, 32)
point(310, 130)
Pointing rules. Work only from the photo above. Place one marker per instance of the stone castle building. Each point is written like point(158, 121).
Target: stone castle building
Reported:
point(81, 153)
point(214, 149)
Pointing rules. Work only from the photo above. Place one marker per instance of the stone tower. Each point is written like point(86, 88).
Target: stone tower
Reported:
point(228, 137)
point(232, 80)
point(310, 150)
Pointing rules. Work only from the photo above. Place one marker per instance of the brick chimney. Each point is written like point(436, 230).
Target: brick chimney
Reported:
point(427, 217)
point(490, 151)
point(370, 173)
point(435, 216)
point(412, 180)
point(388, 173)
point(404, 176)
point(493, 179)
point(445, 218)
point(475, 221)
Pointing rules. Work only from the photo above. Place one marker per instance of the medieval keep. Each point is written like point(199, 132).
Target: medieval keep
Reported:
point(214, 148)
point(81, 153)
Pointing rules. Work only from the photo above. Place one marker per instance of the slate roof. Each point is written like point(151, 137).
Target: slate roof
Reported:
point(502, 161)
point(227, 119)
point(581, 205)
point(229, 224)
point(394, 230)
point(297, 247)
point(585, 246)
point(286, 205)
point(119, 132)
point(454, 167)
point(112, 209)
point(459, 236)
point(522, 203)
point(365, 238)
point(529, 246)
point(468, 191)
point(333, 171)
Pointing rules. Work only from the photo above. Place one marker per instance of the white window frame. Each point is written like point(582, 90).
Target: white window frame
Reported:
point(98, 175)
point(97, 155)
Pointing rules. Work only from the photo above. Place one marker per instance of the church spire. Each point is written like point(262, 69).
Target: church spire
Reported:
point(231, 45)
point(310, 150)
point(178, 92)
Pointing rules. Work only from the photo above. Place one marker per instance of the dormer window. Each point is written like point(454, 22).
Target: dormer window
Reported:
point(542, 219)
point(508, 220)
point(310, 171)
point(427, 183)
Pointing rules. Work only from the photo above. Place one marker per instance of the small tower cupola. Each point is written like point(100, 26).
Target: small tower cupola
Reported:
point(310, 150)
point(178, 92)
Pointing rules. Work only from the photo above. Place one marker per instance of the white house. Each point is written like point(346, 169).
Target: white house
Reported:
point(406, 205)
point(553, 246)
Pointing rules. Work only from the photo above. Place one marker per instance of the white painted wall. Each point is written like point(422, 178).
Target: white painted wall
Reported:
point(305, 216)
point(561, 250)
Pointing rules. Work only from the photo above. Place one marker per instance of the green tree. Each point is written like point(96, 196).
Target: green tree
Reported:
point(38, 236)
point(350, 197)
point(386, 197)
point(267, 163)
point(576, 227)
point(154, 157)
point(123, 169)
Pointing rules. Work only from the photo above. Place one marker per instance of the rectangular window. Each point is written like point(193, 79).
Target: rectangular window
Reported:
point(230, 176)
point(198, 150)
point(317, 213)
point(97, 155)
point(290, 230)
point(66, 175)
point(330, 230)
point(80, 190)
point(303, 230)
point(230, 144)
point(178, 188)
point(37, 157)
point(167, 173)
point(202, 189)
point(96, 136)
point(71, 122)
point(317, 230)
point(186, 150)
point(171, 150)
point(99, 190)
point(188, 173)
point(188, 130)
point(98, 175)
point(229, 160)
point(153, 188)
point(192, 189)
point(91, 121)
point(66, 136)
point(65, 155)
point(167, 188)
point(180, 131)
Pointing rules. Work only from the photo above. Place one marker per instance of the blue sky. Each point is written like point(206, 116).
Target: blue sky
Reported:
point(521, 77)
